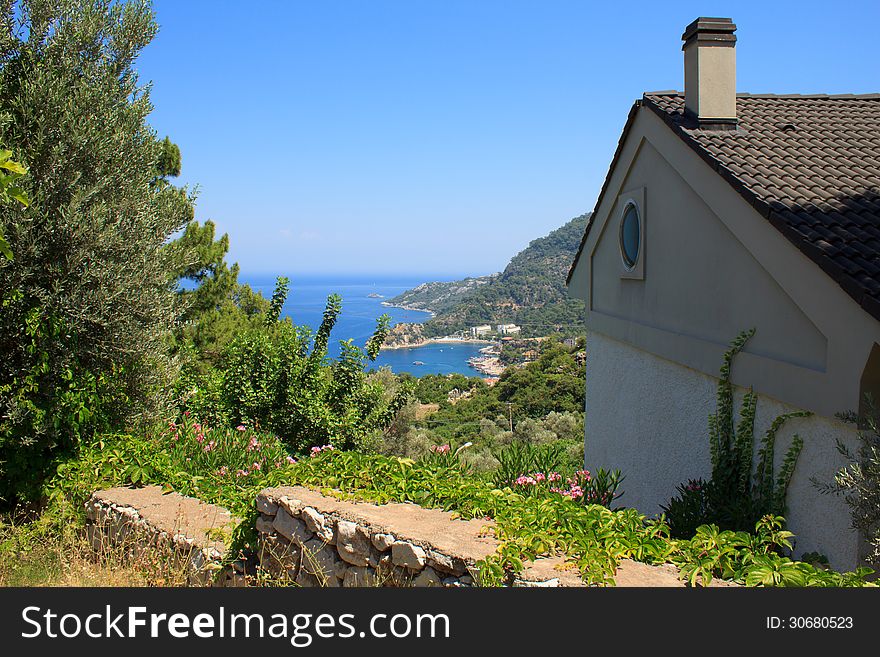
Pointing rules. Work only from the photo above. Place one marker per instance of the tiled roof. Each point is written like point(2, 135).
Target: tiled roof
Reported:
point(811, 166)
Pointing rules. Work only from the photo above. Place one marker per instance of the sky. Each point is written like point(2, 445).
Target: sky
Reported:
point(436, 138)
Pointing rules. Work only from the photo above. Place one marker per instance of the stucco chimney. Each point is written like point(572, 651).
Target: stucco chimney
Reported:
point(710, 72)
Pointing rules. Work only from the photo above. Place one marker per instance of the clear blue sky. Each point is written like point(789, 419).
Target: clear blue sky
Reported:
point(440, 137)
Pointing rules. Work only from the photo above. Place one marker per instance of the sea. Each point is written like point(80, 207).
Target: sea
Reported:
point(307, 298)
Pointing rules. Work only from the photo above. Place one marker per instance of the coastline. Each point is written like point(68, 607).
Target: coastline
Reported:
point(444, 340)
point(413, 308)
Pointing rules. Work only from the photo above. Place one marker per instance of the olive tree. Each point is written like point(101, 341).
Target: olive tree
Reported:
point(87, 302)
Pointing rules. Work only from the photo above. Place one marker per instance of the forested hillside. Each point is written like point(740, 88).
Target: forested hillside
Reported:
point(529, 292)
point(439, 296)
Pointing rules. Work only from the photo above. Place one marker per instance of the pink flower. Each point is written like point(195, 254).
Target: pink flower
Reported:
point(253, 444)
point(210, 446)
point(440, 449)
point(223, 471)
point(317, 450)
point(291, 460)
point(255, 466)
point(240, 427)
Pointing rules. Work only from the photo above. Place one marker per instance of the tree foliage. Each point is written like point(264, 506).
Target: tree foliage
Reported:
point(212, 305)
point(87, 305)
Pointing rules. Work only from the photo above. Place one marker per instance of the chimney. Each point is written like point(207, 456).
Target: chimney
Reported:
point(710, 72)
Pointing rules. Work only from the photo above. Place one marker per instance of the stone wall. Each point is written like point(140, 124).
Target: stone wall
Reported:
point(310, 539)
point(183, 537)
point(314, 540)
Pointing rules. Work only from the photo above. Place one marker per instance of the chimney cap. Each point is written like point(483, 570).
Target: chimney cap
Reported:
point(710, 31)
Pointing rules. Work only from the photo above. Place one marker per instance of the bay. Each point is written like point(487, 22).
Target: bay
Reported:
point(357, 321)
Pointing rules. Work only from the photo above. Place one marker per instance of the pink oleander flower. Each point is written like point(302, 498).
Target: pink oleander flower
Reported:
point(223, 471)
point(240, 427)
point(291, 460)
point(255, 466)
point(200, 438)
point(440, 449)
point(554, 476)
point(525, 480)
point(323, 448)
point(210, 446)
point(539, 476)
point(253, 444)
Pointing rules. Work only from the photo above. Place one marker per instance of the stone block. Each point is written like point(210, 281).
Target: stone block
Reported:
point(408, 556)
point(291, 528)
point(383, 542)
point(352, 543)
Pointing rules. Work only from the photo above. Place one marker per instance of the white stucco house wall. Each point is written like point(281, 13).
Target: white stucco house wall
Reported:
point(722, 212)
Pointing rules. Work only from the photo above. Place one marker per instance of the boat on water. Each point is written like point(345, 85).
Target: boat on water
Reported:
point(418, 362)
point(373, 295)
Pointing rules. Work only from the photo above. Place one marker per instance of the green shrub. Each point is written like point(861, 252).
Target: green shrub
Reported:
point(736, 497)
point(278, 378)
point(859, 480)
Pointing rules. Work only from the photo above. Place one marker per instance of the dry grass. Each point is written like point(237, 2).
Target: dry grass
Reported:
point(60, 552)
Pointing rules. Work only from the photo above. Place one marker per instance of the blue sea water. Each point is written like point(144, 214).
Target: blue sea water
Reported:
point(357, 321)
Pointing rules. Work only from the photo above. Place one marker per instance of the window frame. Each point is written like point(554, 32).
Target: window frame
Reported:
point(636, 199)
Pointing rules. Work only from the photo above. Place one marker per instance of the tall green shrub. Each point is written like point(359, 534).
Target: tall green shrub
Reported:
point(278, 377)
point(86, 304)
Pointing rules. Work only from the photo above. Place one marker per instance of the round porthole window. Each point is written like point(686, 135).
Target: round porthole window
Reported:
point(630, 236)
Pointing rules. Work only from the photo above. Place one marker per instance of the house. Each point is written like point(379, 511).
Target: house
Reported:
point(530, 355)
point(722, 212)
point(477, 331)
point(508, 329)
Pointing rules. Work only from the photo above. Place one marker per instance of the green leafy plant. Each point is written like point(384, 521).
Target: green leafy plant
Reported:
point(858, 481)
point(736, 495)
point(279, 378)
point(10, 172)
point(521, 458)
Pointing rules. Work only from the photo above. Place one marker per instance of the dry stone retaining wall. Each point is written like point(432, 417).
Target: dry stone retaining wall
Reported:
point(310, 539)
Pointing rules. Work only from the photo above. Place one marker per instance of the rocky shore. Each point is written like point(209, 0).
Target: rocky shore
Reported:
point(404, 306)
point(410, 336)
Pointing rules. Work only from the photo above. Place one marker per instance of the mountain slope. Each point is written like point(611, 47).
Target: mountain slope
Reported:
point(529, 292)
point(438, 296)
